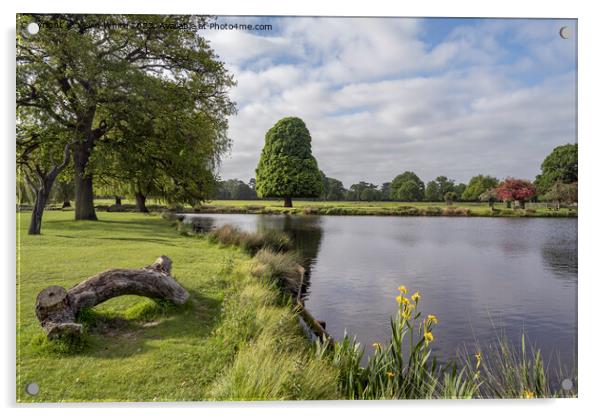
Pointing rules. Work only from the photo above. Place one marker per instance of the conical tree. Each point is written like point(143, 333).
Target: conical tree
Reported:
point(286, 167)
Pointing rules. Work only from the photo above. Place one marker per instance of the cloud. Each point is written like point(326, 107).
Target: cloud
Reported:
point(380, 96)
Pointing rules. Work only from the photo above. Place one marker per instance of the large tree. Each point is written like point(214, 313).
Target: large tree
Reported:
point(559, 166)
point(436, 190)
point(80, 70)
point(477, 186)
point(407, 187)
point(43, 152)
point(287, 168)
point(512, 189)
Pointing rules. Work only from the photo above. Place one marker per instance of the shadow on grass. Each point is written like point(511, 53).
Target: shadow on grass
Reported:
point(126, 334)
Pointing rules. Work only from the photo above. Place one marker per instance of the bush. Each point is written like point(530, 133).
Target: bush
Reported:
point(282, 268)
point(229, 235)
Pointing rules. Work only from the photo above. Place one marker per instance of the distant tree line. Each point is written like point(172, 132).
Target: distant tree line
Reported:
point(556, 183)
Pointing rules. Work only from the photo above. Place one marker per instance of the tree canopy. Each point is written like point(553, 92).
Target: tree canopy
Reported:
point(88, 72)
point(477, 186)
point(559, 166)
point(407, 187)
point(287, 168)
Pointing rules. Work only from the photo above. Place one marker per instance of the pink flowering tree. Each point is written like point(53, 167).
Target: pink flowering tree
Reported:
point(512, 189)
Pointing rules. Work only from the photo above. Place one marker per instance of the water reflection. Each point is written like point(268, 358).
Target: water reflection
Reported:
point(479, 275)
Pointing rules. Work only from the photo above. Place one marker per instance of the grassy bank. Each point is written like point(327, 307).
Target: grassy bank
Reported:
point(383, 208)
point(235, 339)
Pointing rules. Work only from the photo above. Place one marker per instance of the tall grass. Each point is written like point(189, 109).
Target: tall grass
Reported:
point(405, 368)
point(229, 235)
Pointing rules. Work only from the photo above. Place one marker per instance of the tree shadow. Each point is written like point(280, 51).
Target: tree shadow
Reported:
point(126, 334)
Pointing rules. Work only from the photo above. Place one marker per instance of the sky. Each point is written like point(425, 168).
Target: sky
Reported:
point(380, 96)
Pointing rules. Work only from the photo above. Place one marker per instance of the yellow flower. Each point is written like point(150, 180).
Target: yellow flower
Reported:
point(478, 357)
point(390, 374)
point(433, 319)
point(376, 345)
point(528, 394)
point(402, 289)
point(405, 301)
point(399, 298)
point(428, 337)
point(416, 296)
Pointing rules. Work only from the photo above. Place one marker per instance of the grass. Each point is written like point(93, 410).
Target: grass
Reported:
point(381, 208)
point(405, 368)
point(304, 207)
point(235, 339)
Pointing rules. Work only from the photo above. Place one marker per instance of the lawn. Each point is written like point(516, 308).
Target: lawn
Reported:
point(235, 339)
point(384, 208)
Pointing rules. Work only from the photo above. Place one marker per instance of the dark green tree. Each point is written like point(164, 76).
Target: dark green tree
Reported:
point(459, 190)
point(385, 191)
point(370, 194)
point(407, 187)
point(356, 190)
point(559, 166)
point(287, 168)
point(432, 191)
point(477, 186)
point(81, 70)
point(450, 197)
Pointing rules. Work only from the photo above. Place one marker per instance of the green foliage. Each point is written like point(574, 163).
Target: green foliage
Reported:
point(229, 235)
point(559, 166)
point(286, 167)
point(450, 197)
point(407, 187)
point(406, 368)
point(562, 193)
point(332, 189)
point(477, 186)
point(235, 189)
point(436, 190)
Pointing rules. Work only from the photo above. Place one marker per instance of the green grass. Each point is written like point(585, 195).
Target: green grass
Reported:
point(304, 207)
point(237, 337)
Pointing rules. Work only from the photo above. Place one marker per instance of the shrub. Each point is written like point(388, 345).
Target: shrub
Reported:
point(282, 268)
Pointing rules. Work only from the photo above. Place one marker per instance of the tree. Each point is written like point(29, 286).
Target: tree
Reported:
point(409, 191)
point(356, 190)
point(512, 189)
point(43, 152)
point(450, 197)
point(370, 194)
point(385, 191)
point(63, 190)
point(477, 186)
point(80, 70)
point(333, 189)
point(437, 189)
point(235, 189)
point(459, 190)
point(559, 166)
point(562, 193)
point(432, 191)
point(489, 196)
point(407, 187)
point(287, 168)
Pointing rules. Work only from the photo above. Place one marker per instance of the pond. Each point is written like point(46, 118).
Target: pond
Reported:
point(482, 277)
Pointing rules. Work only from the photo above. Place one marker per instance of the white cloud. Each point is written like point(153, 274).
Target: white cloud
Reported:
point(378, 100)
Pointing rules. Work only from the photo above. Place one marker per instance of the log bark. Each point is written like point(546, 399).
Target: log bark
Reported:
point(57, 308)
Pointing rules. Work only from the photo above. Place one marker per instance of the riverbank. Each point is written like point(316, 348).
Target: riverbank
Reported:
point(236, 339)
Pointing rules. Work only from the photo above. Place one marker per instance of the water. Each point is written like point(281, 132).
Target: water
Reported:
point(480, 276)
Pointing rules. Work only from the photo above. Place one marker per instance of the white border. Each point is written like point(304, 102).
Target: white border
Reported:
point(590, 35)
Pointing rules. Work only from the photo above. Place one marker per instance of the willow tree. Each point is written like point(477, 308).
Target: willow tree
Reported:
point(81, 69)
point(287, 168)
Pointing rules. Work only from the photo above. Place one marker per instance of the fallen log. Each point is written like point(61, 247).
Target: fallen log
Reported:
point(57, 308)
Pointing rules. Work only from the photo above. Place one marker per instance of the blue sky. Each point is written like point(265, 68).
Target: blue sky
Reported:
point(380, 96)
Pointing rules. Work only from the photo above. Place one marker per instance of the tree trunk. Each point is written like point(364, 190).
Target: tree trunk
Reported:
point(117, 200)
point(491, 204)
point(84, 193)
point(35, 225)
point(66, 203)
point(141, 202)
point(57, 308)
point(521, 204)
point(288, 202)
point(508, 204)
